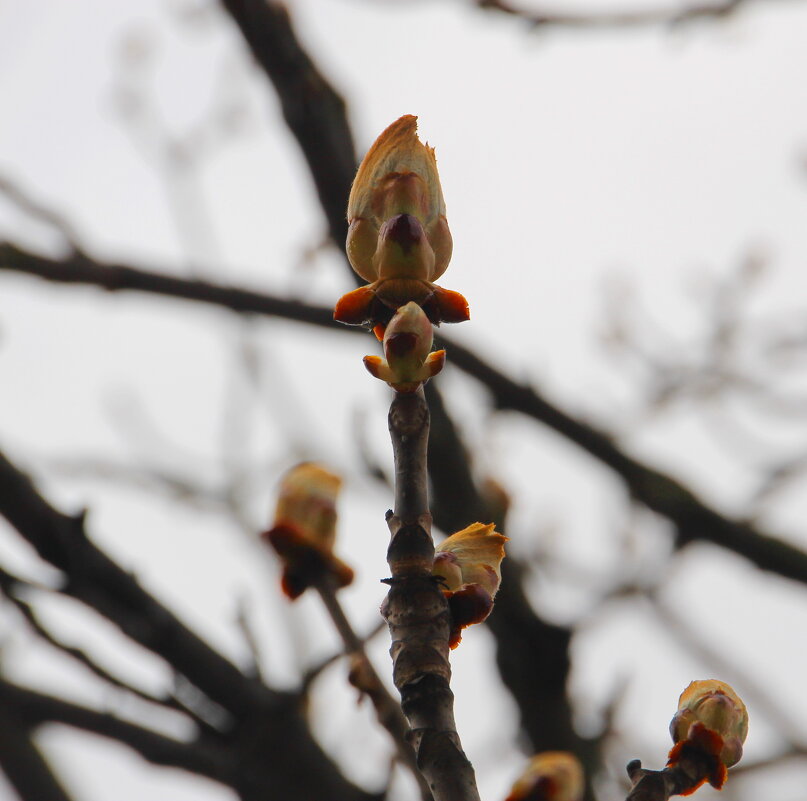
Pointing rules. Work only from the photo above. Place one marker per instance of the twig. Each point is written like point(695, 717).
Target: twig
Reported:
point(659, 785)
point(617, 19)
point(7, 584)
point(316, 670)
point(365, 678)
point(24, 766)
point(248, 635)
point(417, 612)
point(203, 758)
point(114, 278)
point(39, 211)
point(313, 109)
point(693, 519)
point(532, 654)
point(94, 578)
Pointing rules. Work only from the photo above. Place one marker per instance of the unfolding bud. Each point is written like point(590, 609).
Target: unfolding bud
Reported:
point(550, 776)
point(712, 720)
point(469, 565)
point(408, 348)
point(304, 530)
point(398, 238)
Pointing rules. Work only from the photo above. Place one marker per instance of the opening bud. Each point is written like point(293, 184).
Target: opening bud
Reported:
point(407, 345)
point(398, 239)
point(304, 530)
point(469, 564)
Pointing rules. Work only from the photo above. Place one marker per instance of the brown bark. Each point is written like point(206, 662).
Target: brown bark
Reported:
point(417, 612)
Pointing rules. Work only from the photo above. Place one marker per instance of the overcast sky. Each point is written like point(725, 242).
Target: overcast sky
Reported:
point(638, 166)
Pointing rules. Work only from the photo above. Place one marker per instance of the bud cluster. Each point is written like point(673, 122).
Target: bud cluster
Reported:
point(400, 243)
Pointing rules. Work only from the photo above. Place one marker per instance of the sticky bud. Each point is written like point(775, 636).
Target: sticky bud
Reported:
point(398, 239)
point(469, 565)
point(712, 720)
point(304, 530)
point(550, 776)
point(407, 346)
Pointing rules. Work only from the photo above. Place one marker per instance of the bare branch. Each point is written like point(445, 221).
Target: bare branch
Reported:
point(417, 611)
point(39, 211)
point(267, 727)
point(694, 520)
point(314, 111)
point(97, 581)
point(115, 278)
point(203, 758)
point(316, 670)
point(24, 766)
point(367, 681)
point(532, 654)
point(659, 16)
point(659, 785)
point(8, 585)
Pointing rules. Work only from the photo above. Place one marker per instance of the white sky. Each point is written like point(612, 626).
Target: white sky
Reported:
point(567, 158)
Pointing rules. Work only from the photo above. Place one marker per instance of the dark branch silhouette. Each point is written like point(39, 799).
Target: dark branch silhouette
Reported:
point(693, 518)
point(617, 19)
point(266, 728)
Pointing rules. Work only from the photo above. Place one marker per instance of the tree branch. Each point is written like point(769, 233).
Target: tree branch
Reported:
point(693, 519)
point(313, 110)
point(659, 785)
point(532, 655)
point(204, 758)
point(268, 731)
point(417, 611)
point(80, 269)
point(367, 681)
point(457, 502)
point(24, 766)
point(8, 583)
point(617, 19)
point(92, 577)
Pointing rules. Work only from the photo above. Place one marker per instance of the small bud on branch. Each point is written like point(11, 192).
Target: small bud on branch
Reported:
point(550, 776)
point(469, 563)
point(304, 530)
point(407, 345)
point(708, 730)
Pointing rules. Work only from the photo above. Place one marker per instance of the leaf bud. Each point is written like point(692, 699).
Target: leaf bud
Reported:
point(713, 721)
point(469, 565)
point(304, 530)
point(398, 238)
point(550, 776)
point(407, 345)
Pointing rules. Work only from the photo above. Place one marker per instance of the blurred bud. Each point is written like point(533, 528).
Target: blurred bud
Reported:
point(304, 530)
point(469, 564)
point(407, 346)
point(497, 500)
point(362, 676)
point(550, 776)
point(398, 238)
point(712, 720)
